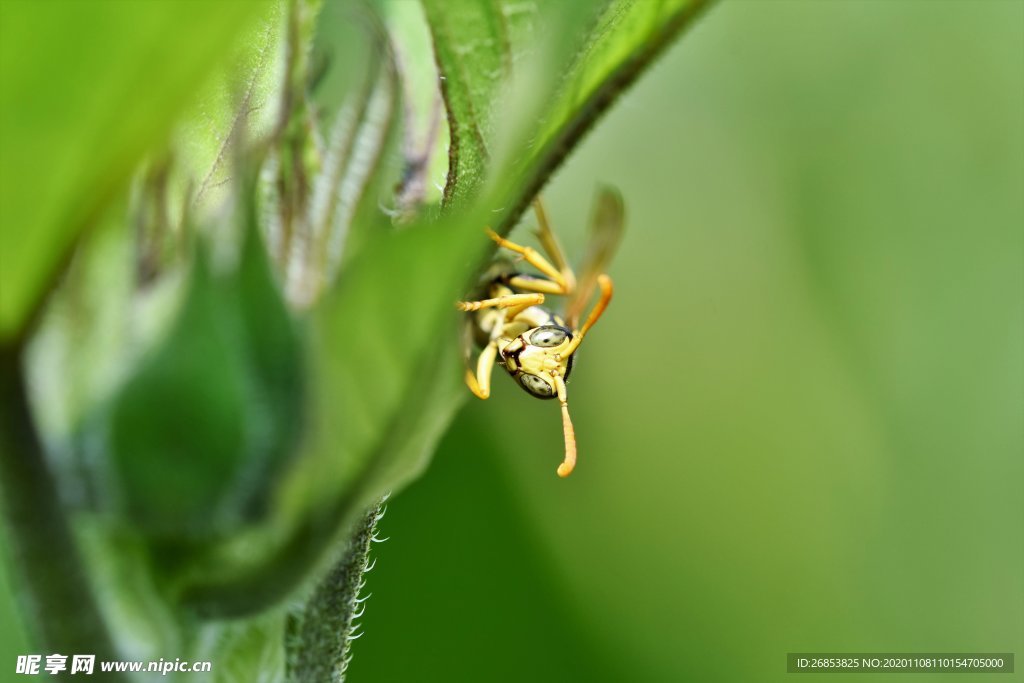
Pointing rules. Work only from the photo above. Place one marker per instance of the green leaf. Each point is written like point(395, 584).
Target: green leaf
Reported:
point(269, 343)
point(237, 103)
point(86, 89)
point(472, 48)
point(177, 427)
point(244, 651)
point(120, 569)
point(385, 383)
point(201, 431)
point(389, 386)
point(384, 360)
point(82, 344)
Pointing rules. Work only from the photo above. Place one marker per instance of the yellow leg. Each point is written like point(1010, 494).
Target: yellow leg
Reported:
point(515, 303)
point(605, 284)
point(533, 257)
point(551, 246)
point(605, 234)
point(532, 283)
point(480, 383)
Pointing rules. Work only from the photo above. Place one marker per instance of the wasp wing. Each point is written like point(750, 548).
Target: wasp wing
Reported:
point(606, 225)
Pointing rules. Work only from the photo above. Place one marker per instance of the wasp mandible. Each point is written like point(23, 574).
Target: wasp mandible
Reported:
point(511, 326)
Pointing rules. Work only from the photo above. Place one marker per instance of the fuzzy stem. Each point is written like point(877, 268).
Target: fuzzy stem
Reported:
point(55, 596)
point(318, 636)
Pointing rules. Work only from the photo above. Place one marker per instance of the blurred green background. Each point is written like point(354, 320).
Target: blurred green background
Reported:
point(801, 422)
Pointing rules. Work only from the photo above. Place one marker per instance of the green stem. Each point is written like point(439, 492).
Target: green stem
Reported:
point(56, 598)
point(597, 103)
point(319, 634)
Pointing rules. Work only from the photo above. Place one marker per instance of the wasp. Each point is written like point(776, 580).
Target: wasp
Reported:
point(513, 328)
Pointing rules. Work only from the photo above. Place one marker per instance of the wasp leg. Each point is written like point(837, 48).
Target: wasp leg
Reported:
point(605, 284)
point(480, 383)
point(534, 283)
point(533, 257)
point(606, 226)
point(552, 248)
point(515, 303)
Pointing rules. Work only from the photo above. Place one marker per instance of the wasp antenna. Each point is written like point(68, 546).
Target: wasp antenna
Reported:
point(566, 468)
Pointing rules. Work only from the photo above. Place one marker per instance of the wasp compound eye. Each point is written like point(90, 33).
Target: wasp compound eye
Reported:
point(536, 386)
point(548, 336)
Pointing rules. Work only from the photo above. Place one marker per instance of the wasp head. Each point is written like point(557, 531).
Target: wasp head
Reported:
point(539, 355)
